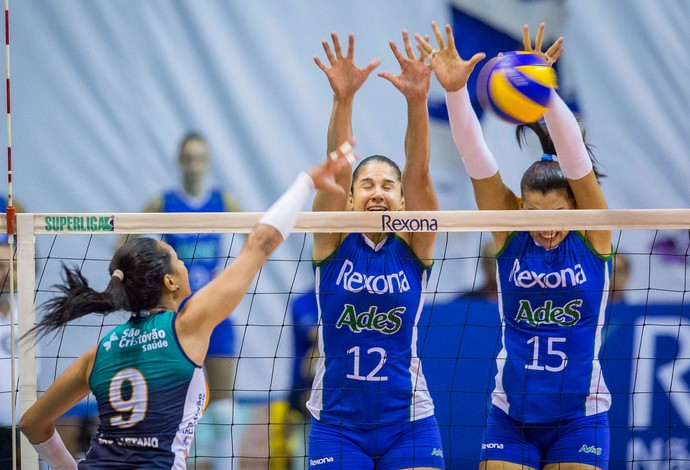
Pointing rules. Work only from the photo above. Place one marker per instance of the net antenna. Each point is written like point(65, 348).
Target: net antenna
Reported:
point(11, 230)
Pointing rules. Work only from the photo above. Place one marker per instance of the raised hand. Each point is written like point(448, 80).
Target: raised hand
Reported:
point(414, 79)
point(324, 174)
point(451, 71)
point(343, 75)
point(552, 53)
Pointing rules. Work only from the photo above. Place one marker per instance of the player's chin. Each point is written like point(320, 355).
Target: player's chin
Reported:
point(549, 242)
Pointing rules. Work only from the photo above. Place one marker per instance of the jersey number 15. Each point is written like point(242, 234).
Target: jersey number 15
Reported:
point(550, 351)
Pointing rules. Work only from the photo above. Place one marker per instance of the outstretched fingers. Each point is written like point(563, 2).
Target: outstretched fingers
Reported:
point(396, 52)
point(336, 53)
point(555, 51)
point(329, 53)
point(540, 37)
point(407, 44)
point(444, 45)
point(336, 45)
point(351, 46)
point(327, 48)
point(527, 39)
point(552, 53)
point(450, 37)
point(478, 57)
point(437, 35)
point(423, 44)
point(320, 64)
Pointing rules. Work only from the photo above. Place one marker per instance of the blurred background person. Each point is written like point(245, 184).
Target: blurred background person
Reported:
point(620, 277)
point(488, 290)
point(305, 318)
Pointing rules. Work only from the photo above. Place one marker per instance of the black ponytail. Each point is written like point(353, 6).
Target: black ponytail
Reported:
point(137, 287)
point(545, 175)
point(77, 300)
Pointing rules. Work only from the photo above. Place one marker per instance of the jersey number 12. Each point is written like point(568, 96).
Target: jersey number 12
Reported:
point(371, 376)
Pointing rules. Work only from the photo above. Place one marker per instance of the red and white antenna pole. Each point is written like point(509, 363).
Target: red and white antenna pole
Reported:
point(11, 230)
point(11, 220)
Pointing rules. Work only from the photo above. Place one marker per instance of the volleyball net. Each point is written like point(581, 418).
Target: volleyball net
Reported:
point(645, 350)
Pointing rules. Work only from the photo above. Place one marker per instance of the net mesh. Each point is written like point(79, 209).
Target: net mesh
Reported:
point(259, 417)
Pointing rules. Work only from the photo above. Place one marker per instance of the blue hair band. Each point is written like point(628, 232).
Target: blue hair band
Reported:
point(547, 157)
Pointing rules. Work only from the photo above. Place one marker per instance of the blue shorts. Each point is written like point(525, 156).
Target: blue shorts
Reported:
point(222, 342)
point(583, 440)
point(388, 447)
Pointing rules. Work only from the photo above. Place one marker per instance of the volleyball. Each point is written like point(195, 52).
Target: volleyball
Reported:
point(516, 86)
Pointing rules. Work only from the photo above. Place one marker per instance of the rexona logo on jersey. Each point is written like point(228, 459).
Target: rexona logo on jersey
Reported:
point(547, 314)
point(564, 278)
point(386, 323)
point(72, 223)
point(354, 281)
point(403, 224)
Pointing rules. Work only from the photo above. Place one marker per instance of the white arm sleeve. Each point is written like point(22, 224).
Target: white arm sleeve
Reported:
point(283, 213)
point(467, 134)
point(54, 452)
point(567, 138)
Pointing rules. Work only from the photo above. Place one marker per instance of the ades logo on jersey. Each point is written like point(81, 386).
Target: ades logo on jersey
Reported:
point(354, 281)
point(566, 277)
point(383, 322)
point(547, 314)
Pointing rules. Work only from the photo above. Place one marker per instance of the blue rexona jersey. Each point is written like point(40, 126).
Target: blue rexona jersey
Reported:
point(150, 397)
point(552, 306)
point(370, 299)
point(201, 252)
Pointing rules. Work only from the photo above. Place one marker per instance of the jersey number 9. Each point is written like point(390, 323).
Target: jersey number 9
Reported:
point(133, 403)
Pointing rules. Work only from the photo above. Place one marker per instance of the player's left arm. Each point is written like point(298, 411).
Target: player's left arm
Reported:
point(573, 157)
point(414, 82)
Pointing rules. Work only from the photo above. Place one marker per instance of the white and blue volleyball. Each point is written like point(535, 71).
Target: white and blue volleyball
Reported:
point(516, 86)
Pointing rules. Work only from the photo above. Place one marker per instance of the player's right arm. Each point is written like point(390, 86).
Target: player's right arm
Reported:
point(345, 79)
